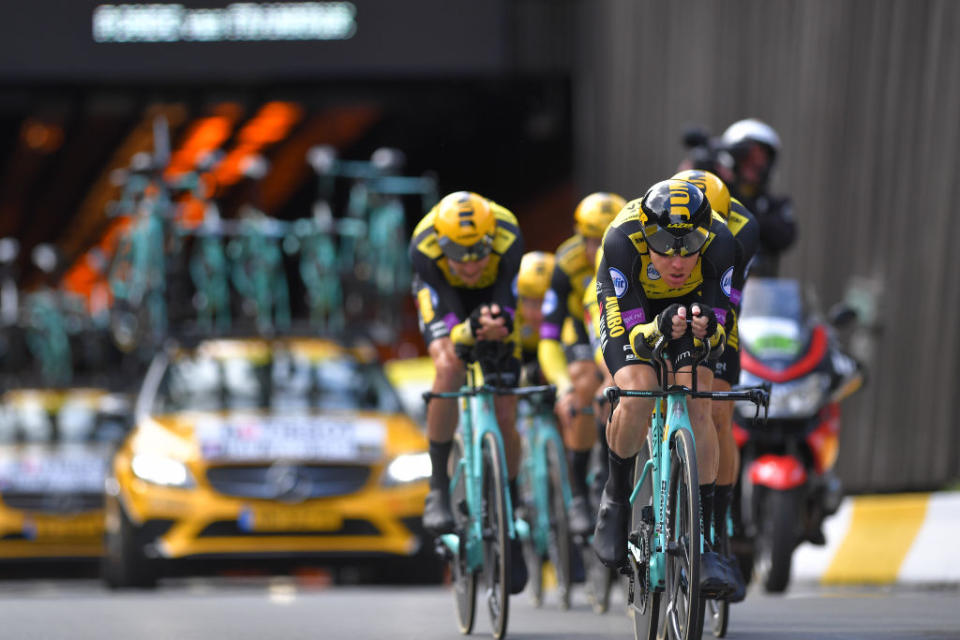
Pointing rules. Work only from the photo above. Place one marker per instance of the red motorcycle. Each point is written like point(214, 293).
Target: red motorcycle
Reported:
point(787, 482)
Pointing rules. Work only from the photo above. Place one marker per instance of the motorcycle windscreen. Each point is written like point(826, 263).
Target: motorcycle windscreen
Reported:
point(772, 325)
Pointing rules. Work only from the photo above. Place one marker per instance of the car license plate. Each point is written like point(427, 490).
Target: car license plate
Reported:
point(49, 528)
point(291, 438)
point(289, 519)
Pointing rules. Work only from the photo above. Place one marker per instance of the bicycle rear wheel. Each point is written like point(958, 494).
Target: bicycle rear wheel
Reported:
point(496, 547)
point(645, 604)
point(683, 616)
point(531, 550)
point(464, 580)
point(560, 543)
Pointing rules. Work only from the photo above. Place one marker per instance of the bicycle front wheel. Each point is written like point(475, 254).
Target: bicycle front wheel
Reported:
point(560, 547)
point(496, 547)
point(684, 610)
point(464, 580)
point(645, 604)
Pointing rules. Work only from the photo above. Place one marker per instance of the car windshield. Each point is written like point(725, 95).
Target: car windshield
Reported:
point(57, 417)
point(278, 378)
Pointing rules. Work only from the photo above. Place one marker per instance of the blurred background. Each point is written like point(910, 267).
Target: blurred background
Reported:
point(163, 167)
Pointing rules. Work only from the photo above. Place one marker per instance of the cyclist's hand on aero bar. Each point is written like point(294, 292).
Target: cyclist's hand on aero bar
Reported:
point(672, 321)
point(490, 323)
point(704, 321)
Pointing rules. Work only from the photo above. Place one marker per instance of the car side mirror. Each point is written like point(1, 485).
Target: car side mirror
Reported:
point(842, 315)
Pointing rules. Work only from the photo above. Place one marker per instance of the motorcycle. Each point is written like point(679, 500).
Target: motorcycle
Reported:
point(788, 485)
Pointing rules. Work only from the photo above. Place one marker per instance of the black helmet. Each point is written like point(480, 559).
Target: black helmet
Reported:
point(676, 218)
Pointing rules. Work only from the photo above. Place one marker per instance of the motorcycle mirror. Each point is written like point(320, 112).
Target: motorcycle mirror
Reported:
point(842, 315)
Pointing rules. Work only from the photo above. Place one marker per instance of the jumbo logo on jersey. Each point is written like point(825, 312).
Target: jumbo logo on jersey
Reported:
point(679, 199)
point(652, 273)
point(726, 282)
point(619, 281)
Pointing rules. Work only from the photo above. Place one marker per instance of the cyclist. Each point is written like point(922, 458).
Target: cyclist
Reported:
point(666, 260)
point(564, 350)
point(465, 254)
point(533, 293)
point(745, 230)
point(753, 147)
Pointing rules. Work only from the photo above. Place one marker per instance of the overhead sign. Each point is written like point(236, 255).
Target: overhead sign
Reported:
point(223, 40)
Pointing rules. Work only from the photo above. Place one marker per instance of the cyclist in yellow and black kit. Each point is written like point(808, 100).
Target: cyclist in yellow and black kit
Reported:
point(746, 234)
point(533, 294)
point(666, 259)
point(565, 355)
point(465, 255)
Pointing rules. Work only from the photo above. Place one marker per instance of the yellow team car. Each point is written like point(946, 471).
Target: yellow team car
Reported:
point(265, 449)
point(54, 448)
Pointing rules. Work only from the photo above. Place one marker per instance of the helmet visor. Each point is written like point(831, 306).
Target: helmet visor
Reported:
point(466, 253)
point(663, 242)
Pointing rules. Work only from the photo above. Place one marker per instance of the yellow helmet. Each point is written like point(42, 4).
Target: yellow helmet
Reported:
point(536, 269)
point(595, 213)
point(465, 226)
point(713, 187)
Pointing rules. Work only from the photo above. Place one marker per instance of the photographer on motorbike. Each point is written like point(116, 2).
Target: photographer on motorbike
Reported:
point(744, 158)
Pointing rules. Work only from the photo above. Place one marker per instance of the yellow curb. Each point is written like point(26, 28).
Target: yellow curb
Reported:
point(882, 530)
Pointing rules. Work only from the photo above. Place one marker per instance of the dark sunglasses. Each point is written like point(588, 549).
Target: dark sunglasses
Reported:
point(460, 253)
point(665, 243)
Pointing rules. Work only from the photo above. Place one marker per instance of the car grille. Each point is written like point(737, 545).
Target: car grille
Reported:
point(60, 503)
point(288, 482)
point(232, 529)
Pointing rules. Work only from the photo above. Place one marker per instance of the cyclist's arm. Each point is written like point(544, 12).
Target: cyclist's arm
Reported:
point(629, 312)
point(717, 265)
point(553, 362)
point(448, 318)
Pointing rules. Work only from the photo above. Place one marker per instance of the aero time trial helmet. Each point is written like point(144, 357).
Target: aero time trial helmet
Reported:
point(465, 226)
point(595, 213)
point(675, 218)
point(717, 193)
point(536, 269)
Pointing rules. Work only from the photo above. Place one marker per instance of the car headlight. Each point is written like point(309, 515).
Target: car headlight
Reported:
point(161, 470)
point(795, 399)
point(406, 468)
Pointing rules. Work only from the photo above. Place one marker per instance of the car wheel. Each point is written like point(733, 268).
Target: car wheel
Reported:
point(124, 563)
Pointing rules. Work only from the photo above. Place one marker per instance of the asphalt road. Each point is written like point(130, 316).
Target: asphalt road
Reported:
point(205, 609)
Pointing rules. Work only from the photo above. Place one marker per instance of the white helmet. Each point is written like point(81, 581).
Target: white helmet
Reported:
point(750, 130)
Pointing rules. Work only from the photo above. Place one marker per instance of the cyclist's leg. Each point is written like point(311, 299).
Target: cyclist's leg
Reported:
point(625, 435)
point(715, 578)
point(580, 435)
point(727, 373)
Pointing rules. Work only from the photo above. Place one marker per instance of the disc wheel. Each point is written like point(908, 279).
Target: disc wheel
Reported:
point(683, 615)
point(560, 547)
point(496, 541)
point(645, 604)
point(464, 580)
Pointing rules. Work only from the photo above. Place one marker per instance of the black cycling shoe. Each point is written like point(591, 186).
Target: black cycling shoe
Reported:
point(437, 516)
point(579, 514)
point(518, 567)
point(715, 579)
point(610, 536)
point(733, 568)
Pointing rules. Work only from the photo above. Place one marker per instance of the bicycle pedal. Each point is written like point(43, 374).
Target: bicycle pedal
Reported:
point(462, 508)
point(634, 538)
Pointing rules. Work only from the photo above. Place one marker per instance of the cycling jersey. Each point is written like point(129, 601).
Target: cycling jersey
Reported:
point(444, 301)
point(631, 292)
point(746, 234)
point(562, 334)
